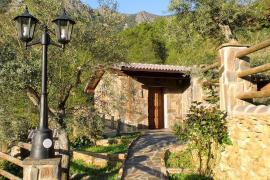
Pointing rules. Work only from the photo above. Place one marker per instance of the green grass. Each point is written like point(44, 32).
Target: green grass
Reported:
point(113, 148)
point(109, 172)
point(182, 160)
point(188, 177)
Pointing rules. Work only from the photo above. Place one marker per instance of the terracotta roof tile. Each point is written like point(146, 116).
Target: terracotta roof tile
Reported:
point(153, 68)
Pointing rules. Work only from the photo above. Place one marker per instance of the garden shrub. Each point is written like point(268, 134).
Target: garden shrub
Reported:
point(81, 142)
point(204, 129)
point(87, 128)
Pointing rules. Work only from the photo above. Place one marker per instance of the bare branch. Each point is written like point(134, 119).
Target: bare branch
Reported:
point(35, 99)
point(62, 103)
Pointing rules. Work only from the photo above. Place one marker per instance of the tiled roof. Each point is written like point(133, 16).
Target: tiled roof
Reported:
point(153, 68)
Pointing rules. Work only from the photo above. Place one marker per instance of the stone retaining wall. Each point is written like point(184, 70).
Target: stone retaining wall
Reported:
point(249, 156)
point(98, 159)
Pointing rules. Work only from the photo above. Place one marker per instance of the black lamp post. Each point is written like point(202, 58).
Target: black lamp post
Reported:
point(42, 142)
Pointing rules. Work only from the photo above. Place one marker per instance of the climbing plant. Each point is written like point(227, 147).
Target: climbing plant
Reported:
point(210, 86)
point(205, 128)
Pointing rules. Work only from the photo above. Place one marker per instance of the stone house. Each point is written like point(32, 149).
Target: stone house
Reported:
point(143, 96)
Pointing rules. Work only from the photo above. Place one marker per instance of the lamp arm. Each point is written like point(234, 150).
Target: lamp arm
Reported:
point(62, 46)
point(34, 42)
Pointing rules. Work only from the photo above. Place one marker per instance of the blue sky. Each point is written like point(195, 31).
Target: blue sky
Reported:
point(159, 7)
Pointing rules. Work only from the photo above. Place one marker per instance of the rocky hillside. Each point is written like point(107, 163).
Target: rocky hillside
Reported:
point(141, 17)
point(71, 5)
point(130, 20)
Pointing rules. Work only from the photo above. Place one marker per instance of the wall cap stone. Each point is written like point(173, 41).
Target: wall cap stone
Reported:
point(232, 45)
point(53, 161)
point(251, 110)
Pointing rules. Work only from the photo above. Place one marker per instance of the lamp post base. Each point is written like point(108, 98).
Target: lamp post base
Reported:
point(42, 144)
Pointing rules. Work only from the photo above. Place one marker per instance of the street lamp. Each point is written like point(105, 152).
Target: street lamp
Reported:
point(42, 142)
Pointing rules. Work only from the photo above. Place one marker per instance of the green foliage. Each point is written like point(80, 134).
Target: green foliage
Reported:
point(80, 142)
point(181, 159)
point(4, 5)
point(86, 127)
point(145, 43)
point(168, 41)
point(204, 128)
point(211, 86)
point(108, 172)
point(199, 27)
point(207, 16)
point(188, 177)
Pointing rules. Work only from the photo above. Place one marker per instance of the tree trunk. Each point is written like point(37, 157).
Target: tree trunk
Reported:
point(200, 161)
point(35, 99)
point(209, 157)
point(227, 32)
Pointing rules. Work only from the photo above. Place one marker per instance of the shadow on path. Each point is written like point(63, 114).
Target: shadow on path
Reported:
point(144, 160)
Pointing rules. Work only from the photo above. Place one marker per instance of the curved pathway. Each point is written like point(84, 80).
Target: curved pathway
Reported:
point(145, 157)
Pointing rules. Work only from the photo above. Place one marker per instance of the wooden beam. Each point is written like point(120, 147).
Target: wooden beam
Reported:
point(11, 159)
point(214, 82)
point(255, 70)
point(212, 66)
point(9, 175)
point(254, 94)
point(26, 146)
point(252, 49)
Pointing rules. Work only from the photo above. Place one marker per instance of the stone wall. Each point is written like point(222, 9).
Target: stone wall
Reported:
point(107, 96)
point(136, 113)
point(122, 97)
point(173, 110)
point(248, 124)
point(248, 157)
point(178, 103)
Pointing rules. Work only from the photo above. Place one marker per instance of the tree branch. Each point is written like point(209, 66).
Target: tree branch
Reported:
point(78, 76)
point(62, 103)
point(35, 99)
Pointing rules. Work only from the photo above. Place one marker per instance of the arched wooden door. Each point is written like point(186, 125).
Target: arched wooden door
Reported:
point(155, 108)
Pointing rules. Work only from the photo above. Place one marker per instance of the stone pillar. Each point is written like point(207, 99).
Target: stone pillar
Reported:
point(197, 90)
point(46, 169)
point(230, 84)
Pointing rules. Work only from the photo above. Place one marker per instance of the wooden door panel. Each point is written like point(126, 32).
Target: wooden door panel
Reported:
point(155, 108)
point(151, 110)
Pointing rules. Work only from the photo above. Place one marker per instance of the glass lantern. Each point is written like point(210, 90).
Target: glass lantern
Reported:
point(26, 24)
point(64, 26)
